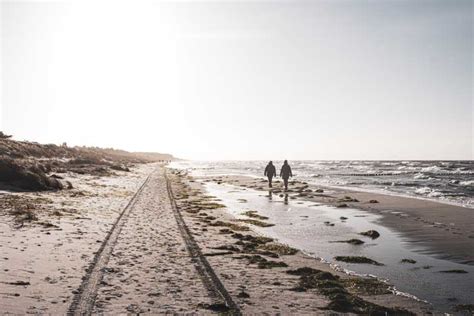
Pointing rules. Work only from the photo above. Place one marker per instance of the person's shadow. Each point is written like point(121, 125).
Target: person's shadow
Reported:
point(270, 194)
point(285, 199)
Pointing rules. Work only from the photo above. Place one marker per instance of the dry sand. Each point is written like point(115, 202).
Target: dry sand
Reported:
point(42, 261)
point(150, 269)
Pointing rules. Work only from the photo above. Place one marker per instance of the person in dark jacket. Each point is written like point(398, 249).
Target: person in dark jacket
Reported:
point(285, 173)
point(270, 172)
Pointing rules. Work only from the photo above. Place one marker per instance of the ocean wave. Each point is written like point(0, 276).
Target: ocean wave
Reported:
point(435, 193)
point(423, 190)
point(421, 176)
point(431, 169)
point(467, 183)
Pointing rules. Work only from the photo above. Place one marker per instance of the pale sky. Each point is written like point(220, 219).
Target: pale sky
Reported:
point(242, 80)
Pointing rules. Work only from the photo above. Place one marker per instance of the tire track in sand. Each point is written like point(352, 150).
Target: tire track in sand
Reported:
point(84, 299)
point(223, 302)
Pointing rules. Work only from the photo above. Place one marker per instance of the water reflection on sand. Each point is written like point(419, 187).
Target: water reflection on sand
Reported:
point(314, 228)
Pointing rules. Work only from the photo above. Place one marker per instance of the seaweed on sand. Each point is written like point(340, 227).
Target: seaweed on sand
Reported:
point(253, 239)
point(464, 308)
point(371, 233)
point(348, 199)
point(253, 214)
point(225, 231)
point(367, 286)
point(232, 226)
point(227, 247)
point(280, 249)
point(357, 259)
point(23, 208)
point(341, 300)
point(255, 245)
point(353, 241)
point(208, 205)
point(255, 222)
point(263, 263)
point(454, 271)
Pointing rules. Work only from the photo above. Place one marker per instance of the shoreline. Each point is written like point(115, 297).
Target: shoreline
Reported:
point(217, 231)
point(444, 230)
point(232, 189)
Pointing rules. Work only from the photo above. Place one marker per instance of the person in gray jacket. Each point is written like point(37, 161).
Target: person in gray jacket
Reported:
point(270, 172)
point(285, 173)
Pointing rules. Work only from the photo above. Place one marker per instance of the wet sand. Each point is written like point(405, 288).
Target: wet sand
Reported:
point(267, 287)
point(444, 230)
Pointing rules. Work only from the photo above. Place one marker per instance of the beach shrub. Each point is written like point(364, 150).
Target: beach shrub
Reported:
point(23, 176)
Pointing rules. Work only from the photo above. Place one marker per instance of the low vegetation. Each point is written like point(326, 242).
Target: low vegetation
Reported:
point(29, 166)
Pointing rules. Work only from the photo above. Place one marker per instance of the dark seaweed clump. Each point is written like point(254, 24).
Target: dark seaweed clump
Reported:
point(454, 271)
point(357, 259)
point(263, 263)
point(353, 241)
point(464, 308)
point(371, 233)
point(341, 300)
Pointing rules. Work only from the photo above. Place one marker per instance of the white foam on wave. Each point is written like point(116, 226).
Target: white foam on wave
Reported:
point(423, 190)
point(421, 176)
point(431, 169)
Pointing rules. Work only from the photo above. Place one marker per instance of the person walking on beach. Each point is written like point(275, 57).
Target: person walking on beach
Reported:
point(285, 173)
point(270, 172)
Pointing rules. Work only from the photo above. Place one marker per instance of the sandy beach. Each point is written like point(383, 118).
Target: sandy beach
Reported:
point(101, 231)
point(44, 258)
point(155, 241)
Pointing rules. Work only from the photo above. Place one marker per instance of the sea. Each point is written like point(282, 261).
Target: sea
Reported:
point(444, 181)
